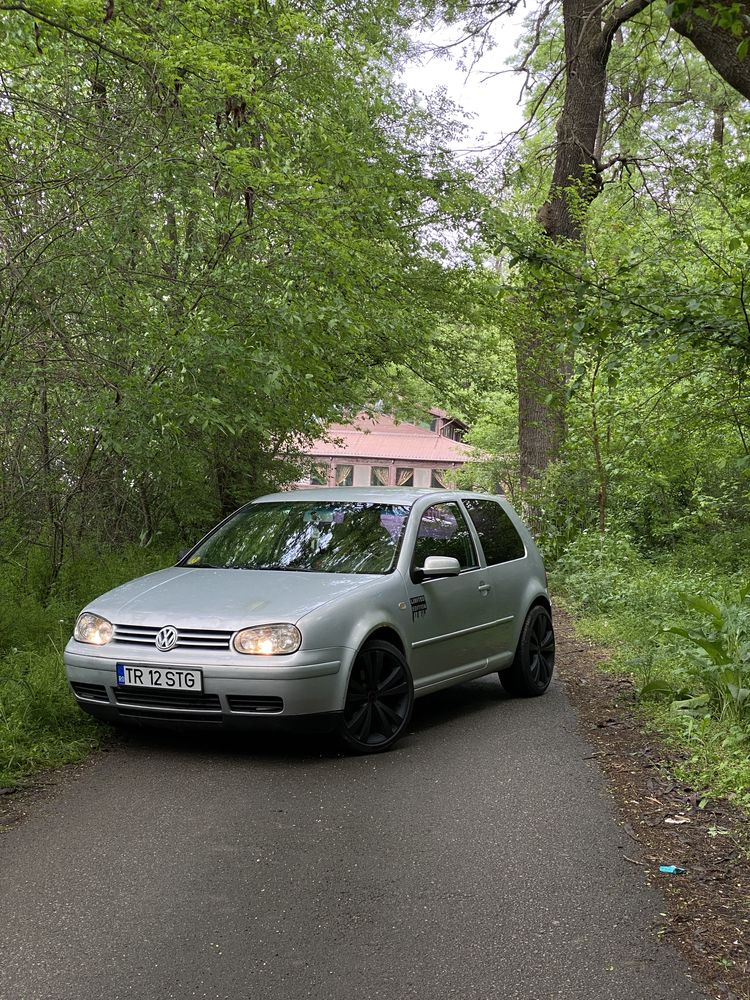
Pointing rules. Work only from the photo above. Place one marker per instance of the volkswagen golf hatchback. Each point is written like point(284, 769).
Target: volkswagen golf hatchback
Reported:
point(324, 609)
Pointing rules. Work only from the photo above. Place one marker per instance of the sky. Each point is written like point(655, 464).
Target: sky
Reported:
point(492, 100)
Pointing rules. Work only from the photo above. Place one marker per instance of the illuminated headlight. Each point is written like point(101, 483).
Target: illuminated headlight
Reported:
point(268, 640)
point(93, 628)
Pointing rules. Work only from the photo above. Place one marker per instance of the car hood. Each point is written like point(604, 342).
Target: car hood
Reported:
point(223, 598)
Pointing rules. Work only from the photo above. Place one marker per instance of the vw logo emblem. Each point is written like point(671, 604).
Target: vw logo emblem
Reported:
point(166, 638)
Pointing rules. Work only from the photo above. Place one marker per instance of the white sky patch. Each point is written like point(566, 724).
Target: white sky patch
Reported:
point(486, 89)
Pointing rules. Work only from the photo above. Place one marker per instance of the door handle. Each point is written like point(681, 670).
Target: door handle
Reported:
point(483, 588)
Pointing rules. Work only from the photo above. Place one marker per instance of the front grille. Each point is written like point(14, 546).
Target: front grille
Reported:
point(258, 704)
point(175, 700)
point(187, 638)
point(91, 692)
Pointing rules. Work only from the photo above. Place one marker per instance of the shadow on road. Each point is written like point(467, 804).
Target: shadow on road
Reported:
point(434, 715)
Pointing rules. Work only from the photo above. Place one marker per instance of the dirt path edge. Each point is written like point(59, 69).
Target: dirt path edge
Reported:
point(707, 911)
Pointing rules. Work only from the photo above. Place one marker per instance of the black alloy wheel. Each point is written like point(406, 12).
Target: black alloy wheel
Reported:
point(379, 698)
point(531, 671)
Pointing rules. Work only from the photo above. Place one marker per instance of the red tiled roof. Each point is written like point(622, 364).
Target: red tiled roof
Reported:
point(381, 437)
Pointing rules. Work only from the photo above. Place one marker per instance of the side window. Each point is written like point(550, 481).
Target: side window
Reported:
point(444, 532)
point(500, 540)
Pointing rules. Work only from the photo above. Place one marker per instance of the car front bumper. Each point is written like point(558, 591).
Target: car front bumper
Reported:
point(305, 692)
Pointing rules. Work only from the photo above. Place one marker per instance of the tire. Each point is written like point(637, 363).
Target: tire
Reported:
point(531, 671)
point(379, 699)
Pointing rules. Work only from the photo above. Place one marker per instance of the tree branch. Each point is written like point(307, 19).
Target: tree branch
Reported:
point(620, 16)
point(98, 43)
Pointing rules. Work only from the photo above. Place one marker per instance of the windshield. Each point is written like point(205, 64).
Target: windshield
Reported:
point(307, 537)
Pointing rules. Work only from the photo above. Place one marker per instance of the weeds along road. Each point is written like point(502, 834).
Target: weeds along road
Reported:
point(480, 859)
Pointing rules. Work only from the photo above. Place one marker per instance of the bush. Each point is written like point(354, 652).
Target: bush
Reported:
point(689, 657)
point(40, 724)
point(719, 652)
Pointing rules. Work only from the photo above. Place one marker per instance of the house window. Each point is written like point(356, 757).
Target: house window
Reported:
point(404, 477)
point(319, 475)
point(453, 431)
point(344, 475)
point(438, 479)
point(379, 475)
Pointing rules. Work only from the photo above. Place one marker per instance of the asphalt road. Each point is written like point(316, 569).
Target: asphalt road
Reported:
point(480, 859)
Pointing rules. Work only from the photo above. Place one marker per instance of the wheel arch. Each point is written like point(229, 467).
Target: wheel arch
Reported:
point(543, 601)
point(380, 630)
point(386, 633)
point(375, 691)
point(536, 598)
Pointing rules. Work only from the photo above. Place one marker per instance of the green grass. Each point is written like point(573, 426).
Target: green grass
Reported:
point(40, 724)
point(626, 601)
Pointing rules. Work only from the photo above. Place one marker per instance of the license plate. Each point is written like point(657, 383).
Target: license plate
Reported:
point(168, 678)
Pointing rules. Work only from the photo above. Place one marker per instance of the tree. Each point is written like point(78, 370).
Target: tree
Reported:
point(220, 222)
point(543, 351)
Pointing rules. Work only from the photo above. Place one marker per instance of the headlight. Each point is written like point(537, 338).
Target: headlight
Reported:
point(268, 640)
point(93, 628)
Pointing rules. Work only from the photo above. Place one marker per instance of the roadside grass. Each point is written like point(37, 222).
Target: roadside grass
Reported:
point(690, 666)
point(40, 724)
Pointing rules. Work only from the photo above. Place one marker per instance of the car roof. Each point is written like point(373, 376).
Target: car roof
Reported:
point(398, 495)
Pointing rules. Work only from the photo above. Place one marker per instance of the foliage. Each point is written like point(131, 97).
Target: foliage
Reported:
point(623, 599)
point(40, 724)
point(720, 655)
point(220, 221)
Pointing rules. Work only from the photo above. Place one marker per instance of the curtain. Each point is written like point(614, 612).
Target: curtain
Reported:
point(438, 480)
point(404, 477)
point(344, 475)
point(379, 475)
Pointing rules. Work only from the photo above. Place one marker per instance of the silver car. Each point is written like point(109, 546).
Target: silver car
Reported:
point(324, 609)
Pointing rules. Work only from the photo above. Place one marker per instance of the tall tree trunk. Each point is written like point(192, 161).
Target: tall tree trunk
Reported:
point(543, 368)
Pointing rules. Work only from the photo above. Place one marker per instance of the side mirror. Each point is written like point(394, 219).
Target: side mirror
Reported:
point(440, 566)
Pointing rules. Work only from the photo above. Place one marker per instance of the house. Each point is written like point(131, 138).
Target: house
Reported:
point(375, 450)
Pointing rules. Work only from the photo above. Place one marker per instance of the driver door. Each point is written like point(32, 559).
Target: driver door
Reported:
point(451, 624)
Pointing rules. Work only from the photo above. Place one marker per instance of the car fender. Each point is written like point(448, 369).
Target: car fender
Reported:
point(356, 617)
point(369, 626)
point(533, 594)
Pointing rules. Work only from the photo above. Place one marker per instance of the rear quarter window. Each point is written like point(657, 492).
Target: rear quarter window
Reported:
point(497, 533)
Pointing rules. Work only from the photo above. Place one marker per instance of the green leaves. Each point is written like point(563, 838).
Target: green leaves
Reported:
point(705, 606)
point(218, 217)
point(716, 651)
point(722, 663)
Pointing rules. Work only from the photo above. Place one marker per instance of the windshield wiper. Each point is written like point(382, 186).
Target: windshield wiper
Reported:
point(275, 566)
